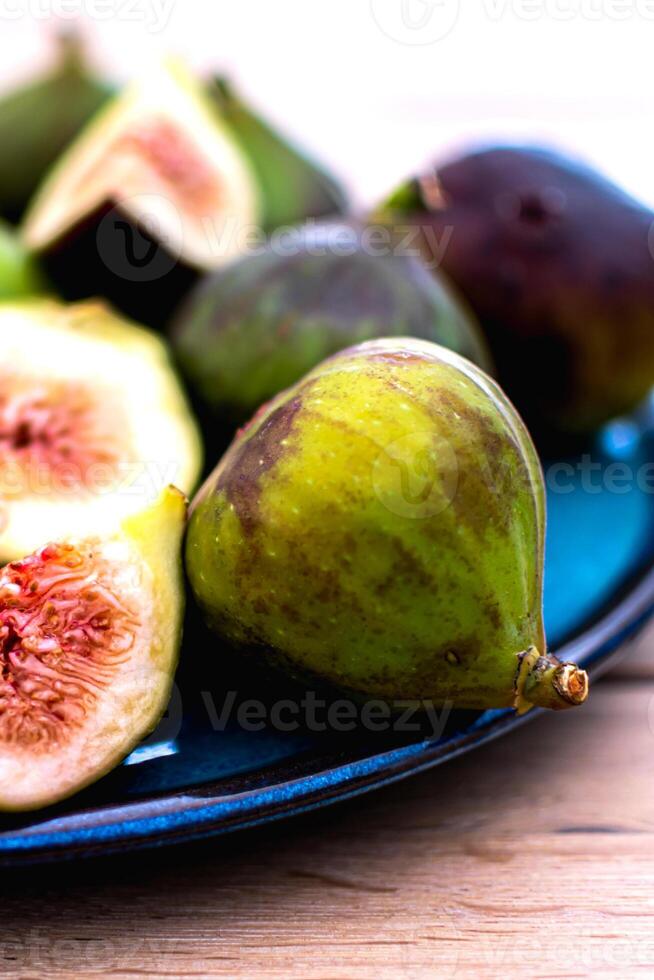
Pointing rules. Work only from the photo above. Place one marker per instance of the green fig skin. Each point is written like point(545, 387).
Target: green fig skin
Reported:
point(292, 187)
point(39, 120)
point(558, 265)
point(19, 273)
point(379, 529)
point(256, 327)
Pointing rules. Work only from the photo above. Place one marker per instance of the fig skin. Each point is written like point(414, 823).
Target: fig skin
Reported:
point(19, 273)
point(38, 120)
point(558, 265)
point(71, 710)
point(379, 528)
point(254, 328)
point(292, 187)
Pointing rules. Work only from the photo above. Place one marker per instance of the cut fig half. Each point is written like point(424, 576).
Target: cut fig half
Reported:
point(93, 423)
point(154, 190)
point(89, 639)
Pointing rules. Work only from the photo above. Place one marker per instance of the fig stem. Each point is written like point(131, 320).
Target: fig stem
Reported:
point(543, 681)
point(71, 53)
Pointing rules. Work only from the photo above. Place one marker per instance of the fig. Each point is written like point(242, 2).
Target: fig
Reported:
point(93, 423)
point(37, 121)
point(379, 528)
point(90, 630)
point(153, 190)
point(292, 187)
point(557, 263)
point(19, 275)
point(259, 324)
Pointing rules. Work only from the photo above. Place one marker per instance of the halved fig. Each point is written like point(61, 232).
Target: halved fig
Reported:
point(93, 423)
point(153, 190)
point(89, 638)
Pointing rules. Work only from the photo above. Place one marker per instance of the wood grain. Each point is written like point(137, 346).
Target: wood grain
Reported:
point(533, 857)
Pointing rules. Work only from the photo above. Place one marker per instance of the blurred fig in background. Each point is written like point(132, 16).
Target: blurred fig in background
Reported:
point(292, 187)
point(255, 327)
point(37, 121)
point(153, 190)
point(558, 264)
point(19, 274)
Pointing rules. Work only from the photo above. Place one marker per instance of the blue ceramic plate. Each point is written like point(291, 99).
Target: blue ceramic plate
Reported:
point(198, 776)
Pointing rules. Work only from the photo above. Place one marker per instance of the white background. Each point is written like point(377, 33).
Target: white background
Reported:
point(378, 88)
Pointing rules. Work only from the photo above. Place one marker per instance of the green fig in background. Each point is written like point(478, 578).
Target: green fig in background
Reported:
point(379, 528)
point(558, 264)
point(292, 187)
point(255, 327)
point(38, 121)
point(19, 275)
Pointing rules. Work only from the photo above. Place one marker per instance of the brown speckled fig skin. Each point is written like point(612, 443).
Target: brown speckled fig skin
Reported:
point(379, 527)
point(558, 265)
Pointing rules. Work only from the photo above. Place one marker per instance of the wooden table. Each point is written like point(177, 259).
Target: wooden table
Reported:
point(532, 857)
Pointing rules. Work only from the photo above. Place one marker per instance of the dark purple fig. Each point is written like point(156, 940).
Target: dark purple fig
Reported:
point(557, 264)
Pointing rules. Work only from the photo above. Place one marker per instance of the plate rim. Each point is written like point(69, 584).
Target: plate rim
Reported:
point(208, 810)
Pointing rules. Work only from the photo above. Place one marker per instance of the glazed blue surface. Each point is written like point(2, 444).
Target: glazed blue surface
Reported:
point(190, 780)
point(595, 535)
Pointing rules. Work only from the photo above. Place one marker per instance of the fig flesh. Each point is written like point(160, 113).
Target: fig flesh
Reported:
point(89, 639)
point(291, 186)
point(153, 190)
point(255, 327)
point(93, 423)
point(379, 528)
point(38, 120)
point(558, 265)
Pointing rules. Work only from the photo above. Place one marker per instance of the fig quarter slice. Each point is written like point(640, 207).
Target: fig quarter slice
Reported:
point(89, 639)
point(93, 423)
point(153, 191)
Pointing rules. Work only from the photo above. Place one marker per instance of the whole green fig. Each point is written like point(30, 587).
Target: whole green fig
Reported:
point(255, 327)
point(38, 121)
point(379, 527)
point(558, 264)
